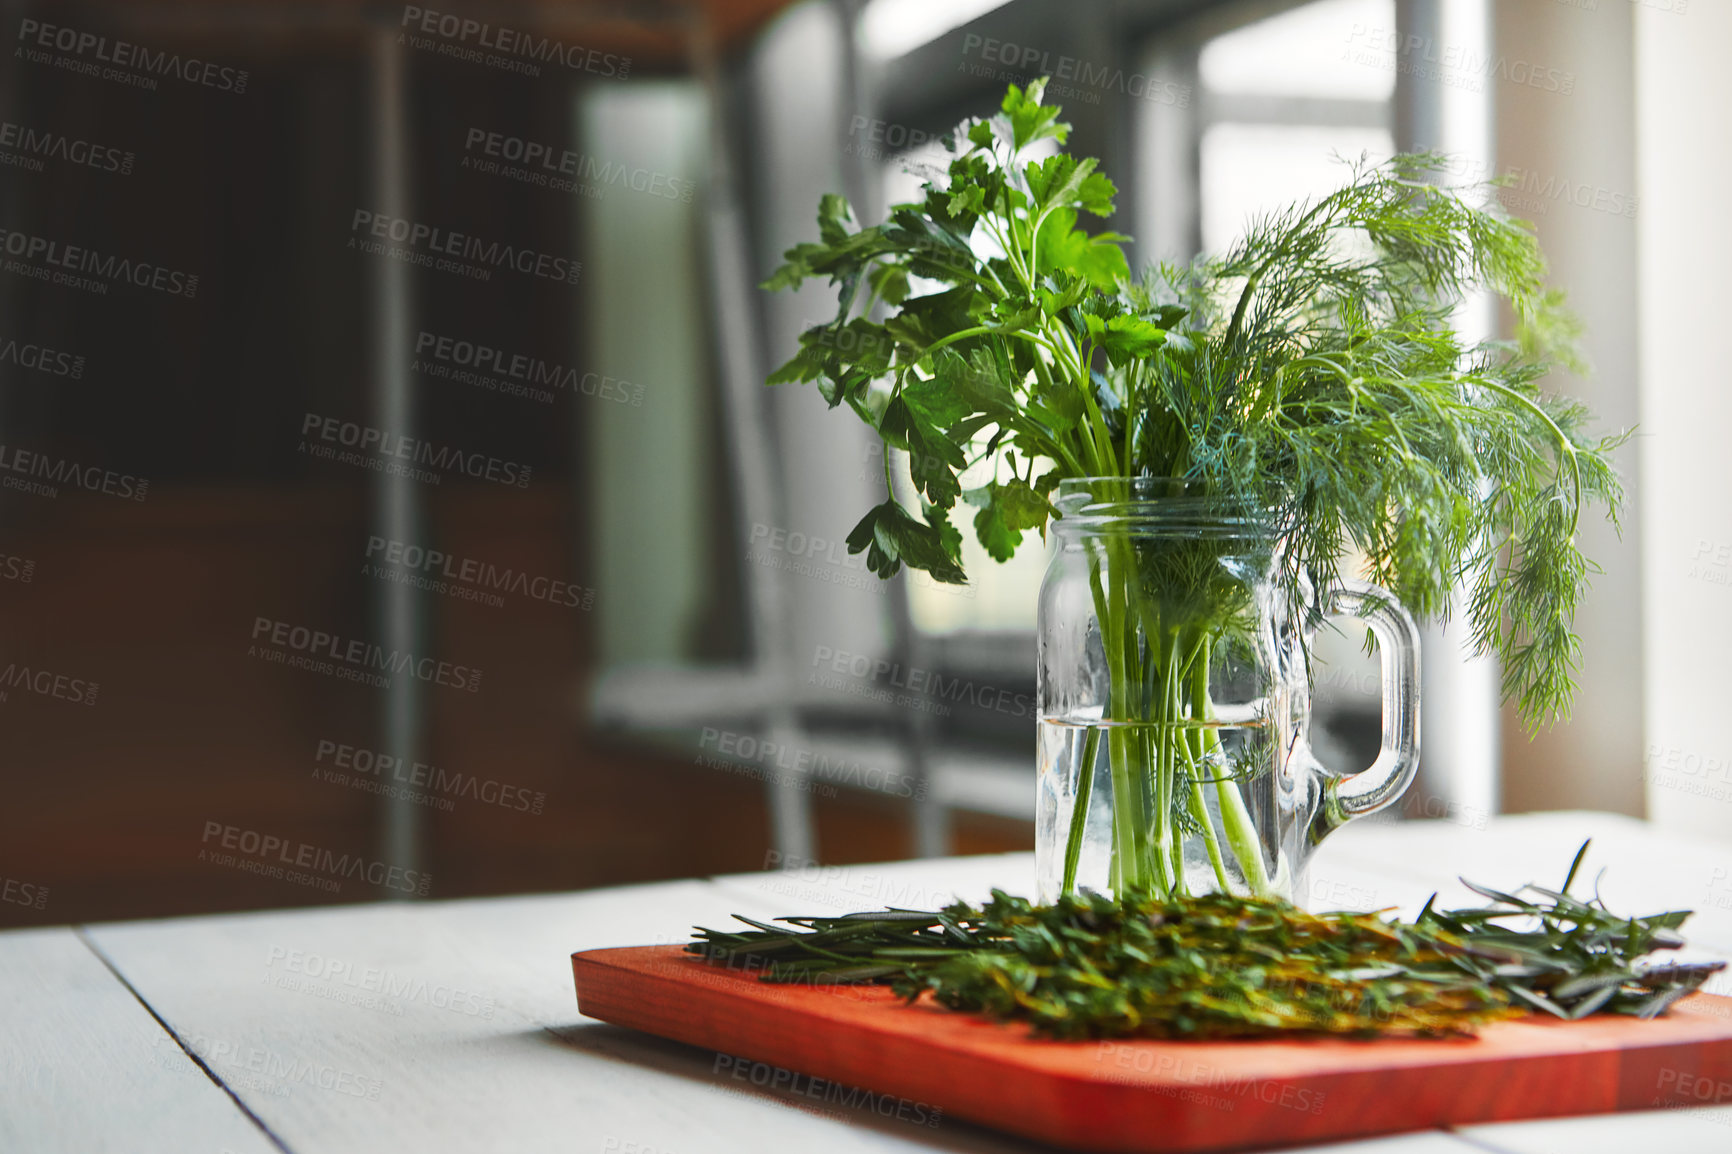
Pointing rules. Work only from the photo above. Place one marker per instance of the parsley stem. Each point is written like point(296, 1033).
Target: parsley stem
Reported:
point(1081, 796)
point(1236, 819)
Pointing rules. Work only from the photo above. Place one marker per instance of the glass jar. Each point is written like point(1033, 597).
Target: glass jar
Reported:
point(1175, 699)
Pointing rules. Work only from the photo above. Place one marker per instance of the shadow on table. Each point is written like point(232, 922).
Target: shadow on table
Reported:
point(789, 1089)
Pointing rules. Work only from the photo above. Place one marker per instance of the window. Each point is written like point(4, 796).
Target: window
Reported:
point(1280, 98)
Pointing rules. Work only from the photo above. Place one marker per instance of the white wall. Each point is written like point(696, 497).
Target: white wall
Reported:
point(1684, 133)
point(1570, 141)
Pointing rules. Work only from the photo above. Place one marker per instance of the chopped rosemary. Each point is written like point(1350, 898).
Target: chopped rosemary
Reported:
point(1220, 966)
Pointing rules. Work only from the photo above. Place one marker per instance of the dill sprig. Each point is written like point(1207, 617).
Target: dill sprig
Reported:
point(1220, 966)
point(1322, 375)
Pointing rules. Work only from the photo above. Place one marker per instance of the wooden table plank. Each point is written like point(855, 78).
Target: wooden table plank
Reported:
point(454, 1027)
point(1351, 870)
point(1645, 870)
point(1643, 866)
point(1694, 1131)
point(1338, 879)
point(918, 885)
point(85, 1068)
point(1425, 1142)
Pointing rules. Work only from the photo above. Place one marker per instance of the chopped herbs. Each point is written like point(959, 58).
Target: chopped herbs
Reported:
point(1219, 966)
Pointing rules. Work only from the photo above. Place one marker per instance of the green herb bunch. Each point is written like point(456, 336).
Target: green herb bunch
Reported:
point(1321, 369)
point(1004, 311)
point(1218, 966)
point(1312, 370)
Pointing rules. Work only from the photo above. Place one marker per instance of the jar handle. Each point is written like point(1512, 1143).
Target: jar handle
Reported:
point(1366, 792)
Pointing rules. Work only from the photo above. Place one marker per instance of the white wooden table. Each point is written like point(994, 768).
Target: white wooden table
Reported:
point(452, 1026)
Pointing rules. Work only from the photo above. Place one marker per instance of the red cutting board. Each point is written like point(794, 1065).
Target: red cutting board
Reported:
point(859, 1044)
